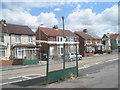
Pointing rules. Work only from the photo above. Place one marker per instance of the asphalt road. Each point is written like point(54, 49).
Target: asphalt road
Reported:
point(21, 76)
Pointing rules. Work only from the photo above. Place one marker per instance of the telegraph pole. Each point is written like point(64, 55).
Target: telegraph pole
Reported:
point(63, 44)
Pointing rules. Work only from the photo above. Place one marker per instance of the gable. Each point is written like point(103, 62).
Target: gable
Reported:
point(105, 37)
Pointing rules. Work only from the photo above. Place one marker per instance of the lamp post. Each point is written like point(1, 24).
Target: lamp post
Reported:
point(40, 43)
point(63, 44)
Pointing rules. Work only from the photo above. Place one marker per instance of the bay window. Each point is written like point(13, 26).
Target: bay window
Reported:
point(2, 51)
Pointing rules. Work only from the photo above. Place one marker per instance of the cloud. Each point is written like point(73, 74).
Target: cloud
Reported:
point(47, 19)
point(25, 18)
point(57, 9)
point(107, 21)
point(77, 9)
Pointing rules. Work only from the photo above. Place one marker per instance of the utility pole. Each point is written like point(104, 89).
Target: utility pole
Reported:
point(63, 44)
point(40, 43)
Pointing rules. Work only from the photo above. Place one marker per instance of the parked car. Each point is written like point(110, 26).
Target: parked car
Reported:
point(72, 56)
point(45, 57)
point(98, 52)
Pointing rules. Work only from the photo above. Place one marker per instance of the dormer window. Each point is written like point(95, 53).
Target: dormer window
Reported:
point(18, 38)
point(30, 38)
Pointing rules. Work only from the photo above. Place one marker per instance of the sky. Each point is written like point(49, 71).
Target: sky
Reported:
point(96, 17)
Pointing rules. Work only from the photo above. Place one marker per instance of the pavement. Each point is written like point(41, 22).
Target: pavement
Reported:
point(41, 63)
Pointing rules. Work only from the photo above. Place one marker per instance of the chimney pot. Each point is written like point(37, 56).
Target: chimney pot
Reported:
point(85, 30)
point(55, 27)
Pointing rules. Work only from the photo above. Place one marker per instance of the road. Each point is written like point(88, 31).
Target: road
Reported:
point(21, 73)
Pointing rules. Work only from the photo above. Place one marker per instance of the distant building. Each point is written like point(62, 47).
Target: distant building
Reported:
point(89, 43)
point(110, 41)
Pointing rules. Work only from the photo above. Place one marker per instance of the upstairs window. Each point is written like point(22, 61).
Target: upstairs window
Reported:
point(30, 38)
point(51, 38)
point(18, 38)
point(1, 38)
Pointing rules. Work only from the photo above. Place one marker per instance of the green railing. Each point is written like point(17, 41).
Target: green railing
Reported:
point(61, 74)
point(27, 62)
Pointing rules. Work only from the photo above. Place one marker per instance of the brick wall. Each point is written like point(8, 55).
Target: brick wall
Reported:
point(6, 63)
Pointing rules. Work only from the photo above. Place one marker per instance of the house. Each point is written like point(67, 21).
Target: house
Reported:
point(89, 43)
point(110, 41)
point(17, 41)
point(118, 41)
point(55, 34)
point(97, 41)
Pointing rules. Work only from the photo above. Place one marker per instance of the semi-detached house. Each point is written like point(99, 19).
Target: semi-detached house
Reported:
point(17, 41)
point(55, 34)
point(89, 43)
point(110, 41)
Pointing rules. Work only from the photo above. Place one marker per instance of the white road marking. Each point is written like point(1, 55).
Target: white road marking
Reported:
point(89, 65)
point(26, 77)
point(14, 77)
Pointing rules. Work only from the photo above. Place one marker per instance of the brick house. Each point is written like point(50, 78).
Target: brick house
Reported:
point(89, 43)
point(110, 41)
point(17, 41)
point(55, 34)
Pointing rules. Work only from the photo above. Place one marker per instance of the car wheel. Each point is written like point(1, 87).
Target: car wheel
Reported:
point(80, 58)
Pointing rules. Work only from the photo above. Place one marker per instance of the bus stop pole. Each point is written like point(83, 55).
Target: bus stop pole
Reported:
point(77, 59)
point(63, 45)
point(47, 70)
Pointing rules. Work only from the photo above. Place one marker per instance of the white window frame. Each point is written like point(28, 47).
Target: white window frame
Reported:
point(30, 38)
point(1, 38)
point(19, 52)
point(3, 51)
point(18, 38)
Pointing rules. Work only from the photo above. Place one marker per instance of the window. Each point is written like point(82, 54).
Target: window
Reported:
point(61, 39)
point(30, 39)
point(19, 52)
point(57, 39)
point(89, 49)
point(118, 41)
point(61, 50)
point(51, 38)
point(1, 38)
point(2, 52)
point(18, 38)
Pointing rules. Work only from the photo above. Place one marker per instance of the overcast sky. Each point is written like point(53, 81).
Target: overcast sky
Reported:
point(97, 17)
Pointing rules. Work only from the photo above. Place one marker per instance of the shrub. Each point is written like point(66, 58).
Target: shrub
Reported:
point(108, 51)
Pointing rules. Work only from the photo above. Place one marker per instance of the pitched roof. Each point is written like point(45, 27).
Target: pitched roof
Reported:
point(57, 32)
point(94, 35)
point(112, 36)
point(84, 35)
point(16, 29)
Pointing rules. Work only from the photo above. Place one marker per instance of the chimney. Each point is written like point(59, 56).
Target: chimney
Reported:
point(85, 30)
point(55, 27)
point(3, 22)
